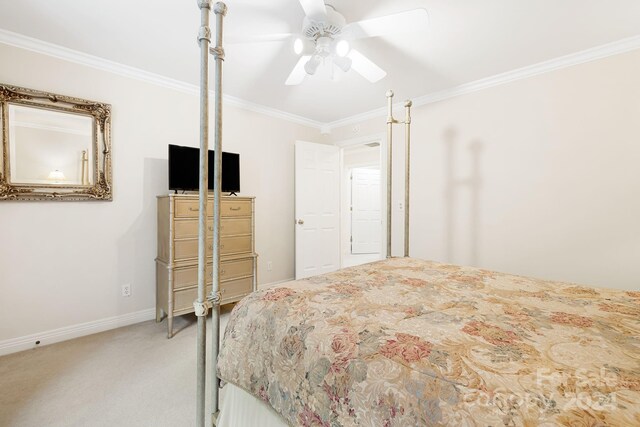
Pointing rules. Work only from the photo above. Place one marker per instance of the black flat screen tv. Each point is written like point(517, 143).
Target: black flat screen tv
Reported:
point(184, 169)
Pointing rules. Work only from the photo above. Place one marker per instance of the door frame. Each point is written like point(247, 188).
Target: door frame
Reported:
point(353, 142)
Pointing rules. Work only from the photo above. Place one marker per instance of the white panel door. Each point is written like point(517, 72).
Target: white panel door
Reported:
point(366, 225)
point(317, 174)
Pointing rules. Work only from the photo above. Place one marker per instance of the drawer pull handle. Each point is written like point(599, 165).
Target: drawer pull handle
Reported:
point(222, 272)
point(210, 228)
point(211, 247)
point(193, 209)
point(237, 208)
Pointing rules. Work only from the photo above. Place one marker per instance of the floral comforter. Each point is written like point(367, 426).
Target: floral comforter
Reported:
point(405, 342)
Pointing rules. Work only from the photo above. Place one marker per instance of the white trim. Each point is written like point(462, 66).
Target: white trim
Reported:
point(56, 51)
point(70, 55)
point(593, 54)
point(272, 284)
point(271, 112)
point(14, 345)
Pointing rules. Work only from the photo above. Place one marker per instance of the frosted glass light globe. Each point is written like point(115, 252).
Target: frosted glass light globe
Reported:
point(342, 48)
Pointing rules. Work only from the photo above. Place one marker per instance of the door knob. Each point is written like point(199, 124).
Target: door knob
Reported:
point(300, 222)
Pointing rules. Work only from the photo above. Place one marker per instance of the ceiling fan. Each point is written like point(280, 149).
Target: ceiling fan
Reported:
point(326, 35)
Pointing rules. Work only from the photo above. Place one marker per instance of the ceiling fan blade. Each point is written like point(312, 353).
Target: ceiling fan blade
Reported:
point(258, 38)
point(314, 9)
point(298, 73)
point(411, 20)
point(365, 67)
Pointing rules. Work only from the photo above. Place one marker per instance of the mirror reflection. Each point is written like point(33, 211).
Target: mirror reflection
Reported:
point(50, 147)
point(54, 147)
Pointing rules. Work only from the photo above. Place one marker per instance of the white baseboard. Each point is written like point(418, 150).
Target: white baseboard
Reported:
point(269, 285)
point(14, 345)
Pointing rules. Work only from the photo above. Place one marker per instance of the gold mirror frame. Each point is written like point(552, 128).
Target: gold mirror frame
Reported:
point(101, 189)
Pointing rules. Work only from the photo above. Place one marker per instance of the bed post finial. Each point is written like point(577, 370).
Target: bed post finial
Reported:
point(220, 9)
point(204, 4)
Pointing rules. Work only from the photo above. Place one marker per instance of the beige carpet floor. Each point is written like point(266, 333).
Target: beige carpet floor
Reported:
point(132, 376)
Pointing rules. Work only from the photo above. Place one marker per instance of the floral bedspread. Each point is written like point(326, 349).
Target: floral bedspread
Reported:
point(405, 342)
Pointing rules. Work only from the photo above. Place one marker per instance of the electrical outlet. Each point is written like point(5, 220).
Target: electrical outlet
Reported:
point(269, 266)
point(126, 290)
point(401, 206)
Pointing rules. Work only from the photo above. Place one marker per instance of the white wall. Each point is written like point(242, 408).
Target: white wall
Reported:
point(539, 177)
point(63, 263)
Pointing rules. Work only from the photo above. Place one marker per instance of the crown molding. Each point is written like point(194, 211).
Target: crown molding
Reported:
point(56, 51)
point(70, 55)
point(593, 54)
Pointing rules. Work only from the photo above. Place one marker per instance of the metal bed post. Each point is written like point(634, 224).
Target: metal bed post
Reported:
point(390, 122)
point(220, 10)
point(204, 303)
point(407, 174)
point(201, 304)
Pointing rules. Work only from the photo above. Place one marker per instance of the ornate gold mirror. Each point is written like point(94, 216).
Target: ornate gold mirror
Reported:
point(54, 147)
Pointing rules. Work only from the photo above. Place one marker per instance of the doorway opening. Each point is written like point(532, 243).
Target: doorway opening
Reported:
point(362, 202)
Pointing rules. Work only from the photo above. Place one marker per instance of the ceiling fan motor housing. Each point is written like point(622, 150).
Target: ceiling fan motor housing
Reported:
point(329, 27)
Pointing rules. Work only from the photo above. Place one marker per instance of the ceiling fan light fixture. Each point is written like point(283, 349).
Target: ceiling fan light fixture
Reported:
point(312, 65)
point(303, 46)
point(343, 63)
point(342, 48)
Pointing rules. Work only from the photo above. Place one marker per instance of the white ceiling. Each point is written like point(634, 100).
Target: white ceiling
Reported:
point(466, 40)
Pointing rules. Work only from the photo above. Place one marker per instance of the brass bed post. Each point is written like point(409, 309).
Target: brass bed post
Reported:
point(200, 305)
point(407, 174)
point(390, 122)
point(220, 10)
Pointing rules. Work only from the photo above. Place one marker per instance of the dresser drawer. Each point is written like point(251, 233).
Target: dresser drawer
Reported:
point(183, 299)
point(234, 226)
point(190, 208)
point(186, 228)
point(234, 269)
point(235, 207)
point(188, 249)
point(235, 245)
point(185, 277)
point(230, 291)
point(236, 289)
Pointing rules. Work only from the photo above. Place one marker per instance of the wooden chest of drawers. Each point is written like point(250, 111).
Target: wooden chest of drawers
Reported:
point(177, 261)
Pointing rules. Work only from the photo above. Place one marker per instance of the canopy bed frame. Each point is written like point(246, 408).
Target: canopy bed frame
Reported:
point(448, 345)
point(204, 302)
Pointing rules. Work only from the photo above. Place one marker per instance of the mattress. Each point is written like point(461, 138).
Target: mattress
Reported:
point(406, 342)
point(239, 408)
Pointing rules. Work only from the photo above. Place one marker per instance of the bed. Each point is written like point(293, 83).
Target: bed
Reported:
point(406, 342)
